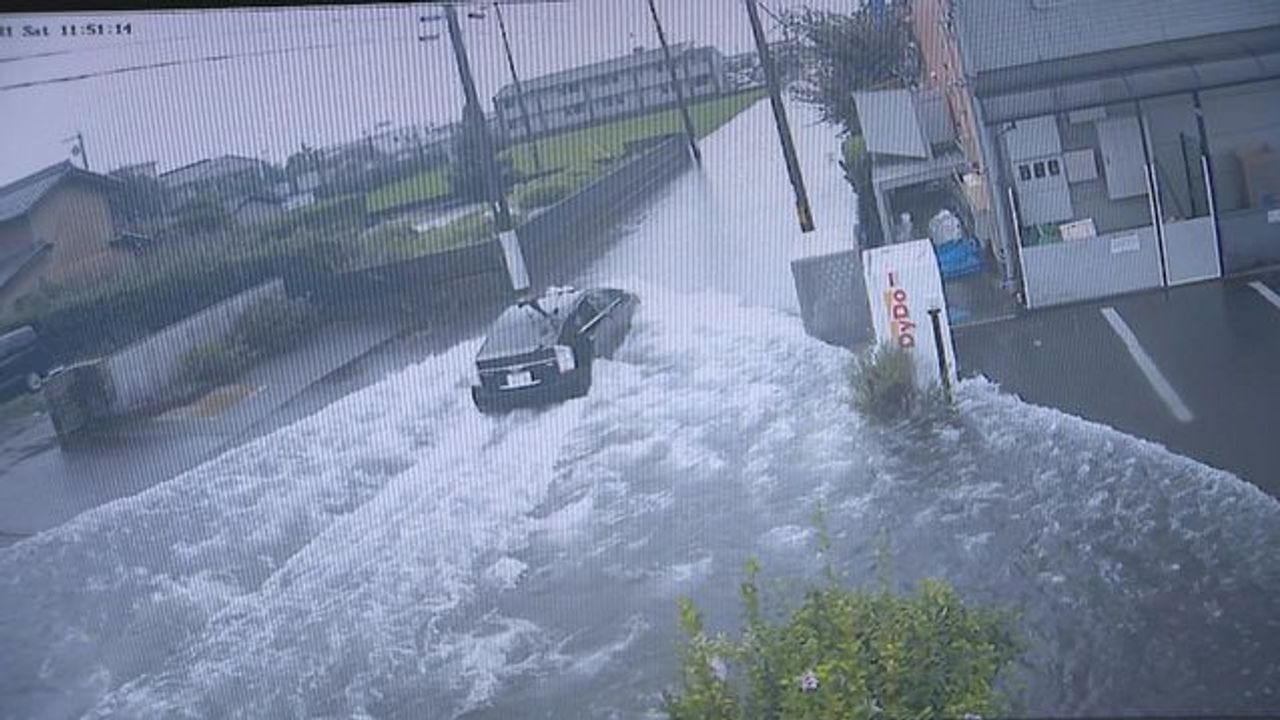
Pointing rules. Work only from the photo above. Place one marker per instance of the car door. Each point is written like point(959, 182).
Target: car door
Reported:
point(611, 326)
point(583, 327)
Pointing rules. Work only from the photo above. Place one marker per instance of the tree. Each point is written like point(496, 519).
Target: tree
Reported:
point(837, 54)
point(472, 157)
point(202, 216)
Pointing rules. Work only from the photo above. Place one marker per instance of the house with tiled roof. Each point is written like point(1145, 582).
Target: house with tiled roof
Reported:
point(56, 224)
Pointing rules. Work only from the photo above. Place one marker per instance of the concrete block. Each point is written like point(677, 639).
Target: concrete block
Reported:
point(79, 397)
point(832, 295)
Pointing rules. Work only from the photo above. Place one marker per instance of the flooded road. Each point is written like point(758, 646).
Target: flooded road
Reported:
point(397, 555)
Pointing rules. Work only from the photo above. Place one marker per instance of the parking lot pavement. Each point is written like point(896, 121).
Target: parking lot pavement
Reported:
point(1196, 368)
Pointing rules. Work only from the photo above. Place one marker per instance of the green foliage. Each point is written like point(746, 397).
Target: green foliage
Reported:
point(544, 192)
point(266, 329)
point(854, 149)
point(471, 157)
point(857, 170)
point(201, 217)
point(864, 654)
point(838, 53)
point(589, 149)
point(346, 212)
point(398, 241)
point(214, 363)
point(883, 383)
point(271, 327)
point(425, 186)
point(168, 284)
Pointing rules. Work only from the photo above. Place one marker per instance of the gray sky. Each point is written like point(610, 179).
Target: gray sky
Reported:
point(262, 82)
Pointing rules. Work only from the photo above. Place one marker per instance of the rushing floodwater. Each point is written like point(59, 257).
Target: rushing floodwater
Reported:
point(398, 555)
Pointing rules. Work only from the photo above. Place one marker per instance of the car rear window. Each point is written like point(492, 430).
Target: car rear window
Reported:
point(519, 329)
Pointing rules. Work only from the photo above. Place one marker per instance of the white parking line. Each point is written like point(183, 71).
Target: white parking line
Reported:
point(1266, 292)
point(1148, 367)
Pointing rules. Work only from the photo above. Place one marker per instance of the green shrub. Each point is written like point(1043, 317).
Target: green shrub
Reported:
point(332, 214)
point(854, 149)
point(273, 326)
point(202, 216)
point(543, 193)
point(214, 363)
point(848, 654)
point(883, 383)
point(268, 328)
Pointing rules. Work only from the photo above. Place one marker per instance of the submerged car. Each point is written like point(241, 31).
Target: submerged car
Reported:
point(541, 350)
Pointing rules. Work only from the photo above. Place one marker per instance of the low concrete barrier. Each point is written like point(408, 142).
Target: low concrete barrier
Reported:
point(142, 375)
point(557, 243)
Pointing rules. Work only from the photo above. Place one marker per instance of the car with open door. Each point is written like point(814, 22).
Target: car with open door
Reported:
point(542, 349)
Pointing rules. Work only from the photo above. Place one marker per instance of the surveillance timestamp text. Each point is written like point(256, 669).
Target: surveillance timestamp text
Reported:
point(66, 30)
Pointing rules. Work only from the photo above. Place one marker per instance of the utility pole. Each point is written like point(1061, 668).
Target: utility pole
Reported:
point(803, 212)
point(515, 79)
point(675, 83)
point(78, 148)
point(474, 112)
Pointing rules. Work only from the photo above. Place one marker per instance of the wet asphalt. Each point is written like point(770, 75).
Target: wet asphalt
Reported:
point(1216, 344)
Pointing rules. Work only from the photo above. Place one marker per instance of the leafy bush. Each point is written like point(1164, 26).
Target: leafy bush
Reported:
point(268, 328)
point(202, 216)
point(274, 326)
point(542, 193)
point(854, 149)
point(332, 214)
point(883, 383)
point(214, 363)
point(847, 654)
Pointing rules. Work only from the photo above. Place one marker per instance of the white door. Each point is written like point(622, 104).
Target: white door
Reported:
point(1123, 164)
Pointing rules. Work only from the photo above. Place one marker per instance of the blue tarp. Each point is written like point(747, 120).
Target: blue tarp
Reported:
point(959, 258)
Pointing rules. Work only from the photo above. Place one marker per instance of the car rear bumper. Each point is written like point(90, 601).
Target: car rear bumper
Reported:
point(569, 385)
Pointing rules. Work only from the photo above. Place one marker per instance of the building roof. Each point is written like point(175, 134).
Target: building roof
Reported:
point(208, 169)
point(20, 196)
point(1018, 33)
point(625, 62)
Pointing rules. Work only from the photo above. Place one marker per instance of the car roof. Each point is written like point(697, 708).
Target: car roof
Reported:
point(523, 328)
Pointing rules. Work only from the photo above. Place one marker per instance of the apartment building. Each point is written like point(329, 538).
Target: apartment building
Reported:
point(607, 90)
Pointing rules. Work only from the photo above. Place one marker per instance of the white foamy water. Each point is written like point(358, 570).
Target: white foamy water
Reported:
point(398, 555)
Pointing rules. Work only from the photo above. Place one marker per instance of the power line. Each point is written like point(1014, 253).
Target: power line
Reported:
point(206, 59)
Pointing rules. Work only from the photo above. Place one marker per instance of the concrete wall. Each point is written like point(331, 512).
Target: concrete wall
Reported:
point(557, 244)
point(1077, 270)
point(144, 374)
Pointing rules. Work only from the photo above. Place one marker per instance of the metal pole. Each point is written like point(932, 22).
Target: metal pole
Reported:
point(473, 112)
point(803, 211)
point(675, 83)
point(515, 79)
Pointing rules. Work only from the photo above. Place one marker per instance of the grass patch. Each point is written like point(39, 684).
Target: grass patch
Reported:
point(883, 383)
point(589, 148)
point(397, 241)
point(428, 185)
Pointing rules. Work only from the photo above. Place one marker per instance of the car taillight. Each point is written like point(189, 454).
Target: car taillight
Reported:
point(564, 358)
